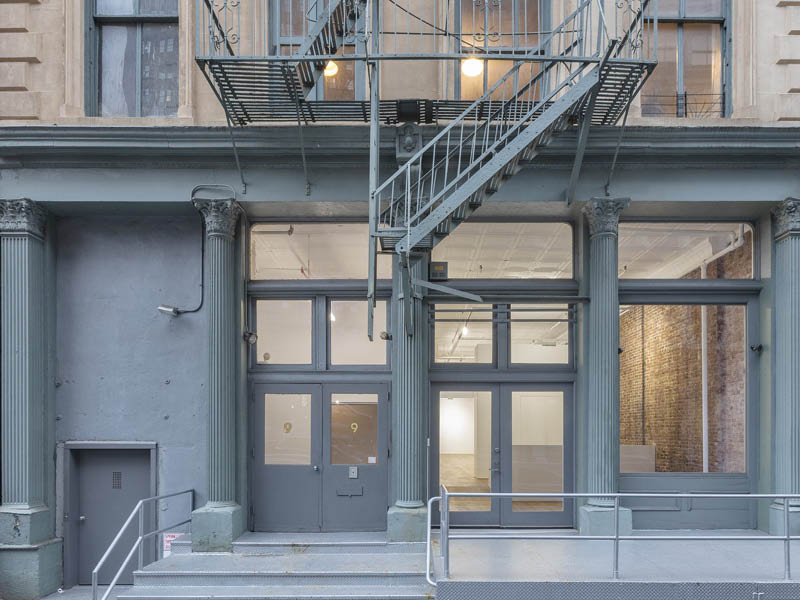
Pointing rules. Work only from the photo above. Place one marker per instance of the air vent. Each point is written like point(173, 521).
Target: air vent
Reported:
point(116, 480)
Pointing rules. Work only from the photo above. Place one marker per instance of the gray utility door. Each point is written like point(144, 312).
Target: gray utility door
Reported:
point(320, 457)
point(503, 438)
point(110, 483)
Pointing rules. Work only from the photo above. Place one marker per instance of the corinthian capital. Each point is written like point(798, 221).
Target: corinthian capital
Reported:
point(220, 216)
point(787, 217)
point(603, 214)
point(22, 216)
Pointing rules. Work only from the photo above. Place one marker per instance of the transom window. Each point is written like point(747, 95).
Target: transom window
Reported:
point(691, 77)
point(502, 335)
point(685, 250)
point(488, 250)
point(132, 58)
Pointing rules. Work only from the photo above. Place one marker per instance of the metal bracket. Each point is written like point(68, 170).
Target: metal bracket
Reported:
point(407, 292)
point(447, 290)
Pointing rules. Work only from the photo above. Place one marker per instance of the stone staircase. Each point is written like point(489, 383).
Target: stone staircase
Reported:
point(265, 566)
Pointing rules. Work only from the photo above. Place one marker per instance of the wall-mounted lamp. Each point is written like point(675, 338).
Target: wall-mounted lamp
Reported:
point(331, 69)
point(251, 337)
point(172, 311)
point(385, 336)
point(472, 67)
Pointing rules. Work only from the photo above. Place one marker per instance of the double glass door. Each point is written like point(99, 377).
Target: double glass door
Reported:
point(503, 438)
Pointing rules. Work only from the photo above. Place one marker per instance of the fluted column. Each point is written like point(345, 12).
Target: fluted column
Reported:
point(787, 358)
point(406, 520)
point(220, 521)
point(30, 555)
point(602, 362)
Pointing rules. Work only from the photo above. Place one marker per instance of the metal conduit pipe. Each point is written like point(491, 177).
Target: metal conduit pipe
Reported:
point(735, 245)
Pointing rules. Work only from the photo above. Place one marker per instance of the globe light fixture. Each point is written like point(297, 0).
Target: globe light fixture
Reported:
point(331, 69)
point(472, 67)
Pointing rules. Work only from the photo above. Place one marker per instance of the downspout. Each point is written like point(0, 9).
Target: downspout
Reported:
point(737, 243)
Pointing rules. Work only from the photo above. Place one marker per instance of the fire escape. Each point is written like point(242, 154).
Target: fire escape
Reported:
point(584, 69)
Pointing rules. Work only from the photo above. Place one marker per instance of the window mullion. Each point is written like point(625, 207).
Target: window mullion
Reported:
point(681, 99)
point(139, 69)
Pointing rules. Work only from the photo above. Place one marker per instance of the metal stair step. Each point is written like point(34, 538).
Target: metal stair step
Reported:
point(349, 592)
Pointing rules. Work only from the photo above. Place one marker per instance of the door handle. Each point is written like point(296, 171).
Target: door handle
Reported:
point(82, 518)
point(316, 468)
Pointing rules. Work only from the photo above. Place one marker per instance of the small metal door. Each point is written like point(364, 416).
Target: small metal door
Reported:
point(536, 444)
point(355, 457)
point(465, 449)
point(287, 458)
point(110, 483)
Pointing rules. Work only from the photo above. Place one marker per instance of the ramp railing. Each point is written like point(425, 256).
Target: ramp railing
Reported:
point(446, 536)
point(138, 510)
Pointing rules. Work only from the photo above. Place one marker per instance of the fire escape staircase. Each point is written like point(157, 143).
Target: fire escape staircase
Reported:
point(243, 85)
point(469, 160)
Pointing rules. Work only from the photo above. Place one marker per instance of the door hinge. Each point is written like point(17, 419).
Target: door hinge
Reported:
point(253, 452)
point(389, 452)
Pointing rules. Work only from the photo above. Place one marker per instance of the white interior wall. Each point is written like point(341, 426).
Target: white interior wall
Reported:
point(457, 423)
point(483, 434)
point(537, 418)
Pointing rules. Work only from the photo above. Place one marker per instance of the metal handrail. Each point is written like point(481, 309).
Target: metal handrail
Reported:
point(138, 544)
point(445, 536)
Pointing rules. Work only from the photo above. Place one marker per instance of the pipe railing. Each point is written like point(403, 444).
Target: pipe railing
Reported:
point(445, 536)
point(137, 546)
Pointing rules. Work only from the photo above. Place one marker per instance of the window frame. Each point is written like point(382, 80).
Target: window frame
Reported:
point(545, 26)
point(93, 23)
point(744, 292)
point(724, 21)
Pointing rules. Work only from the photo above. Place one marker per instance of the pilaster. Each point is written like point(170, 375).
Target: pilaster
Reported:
point(602, 368)
point(407, 517)
point(786, 456)
point(27, 544)
point(221, 520)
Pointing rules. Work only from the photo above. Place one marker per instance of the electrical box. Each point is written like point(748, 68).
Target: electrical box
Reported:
point(352, 472)
point(438, 271)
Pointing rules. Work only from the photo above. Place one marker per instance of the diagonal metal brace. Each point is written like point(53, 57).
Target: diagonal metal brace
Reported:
point(447, 290)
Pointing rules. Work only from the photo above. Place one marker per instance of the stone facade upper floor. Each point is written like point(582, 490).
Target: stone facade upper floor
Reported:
point(60, 65)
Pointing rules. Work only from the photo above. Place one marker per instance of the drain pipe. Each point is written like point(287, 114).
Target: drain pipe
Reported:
point(736, 244)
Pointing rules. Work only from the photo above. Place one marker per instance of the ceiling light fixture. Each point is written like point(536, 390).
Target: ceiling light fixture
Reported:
point(331, 69)
point(464, 330)
point(333, 318)
point(472, 67)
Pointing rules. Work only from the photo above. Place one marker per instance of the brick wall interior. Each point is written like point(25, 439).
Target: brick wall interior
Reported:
point(661, 377)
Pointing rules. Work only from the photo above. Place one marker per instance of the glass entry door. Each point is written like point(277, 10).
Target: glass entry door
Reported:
point(503, 438)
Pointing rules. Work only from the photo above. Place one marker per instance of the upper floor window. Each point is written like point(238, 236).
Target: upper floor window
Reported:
point(690, 80)
point(492, 26)
point(342, 79)
point(132, 58)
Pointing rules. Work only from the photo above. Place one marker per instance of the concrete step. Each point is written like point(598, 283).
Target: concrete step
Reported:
point(295, 592)
point(311, 543)
point(284, 569)
point(366, 542)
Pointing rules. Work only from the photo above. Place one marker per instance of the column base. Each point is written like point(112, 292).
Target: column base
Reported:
point(406, 524)
point(599, 520)
point(30, 571)
point(214, 527)
point(25, 526)
point(776, 519)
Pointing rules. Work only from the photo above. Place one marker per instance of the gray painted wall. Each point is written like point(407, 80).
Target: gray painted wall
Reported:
point(125, 371)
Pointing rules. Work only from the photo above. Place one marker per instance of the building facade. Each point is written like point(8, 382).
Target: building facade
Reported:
point(185, 272)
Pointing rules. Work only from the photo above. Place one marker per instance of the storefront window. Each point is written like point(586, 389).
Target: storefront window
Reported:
point(284, 332)
point(478, 250)
point(349, 342)
point(683, 382)
point(463, 333)
point(539, 334)
point(312, 251)
point(685, 251)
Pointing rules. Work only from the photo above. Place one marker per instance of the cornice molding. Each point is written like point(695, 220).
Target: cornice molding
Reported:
point(787, 218)
point(22, 216)
point(220, 216)
point(603, 214)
